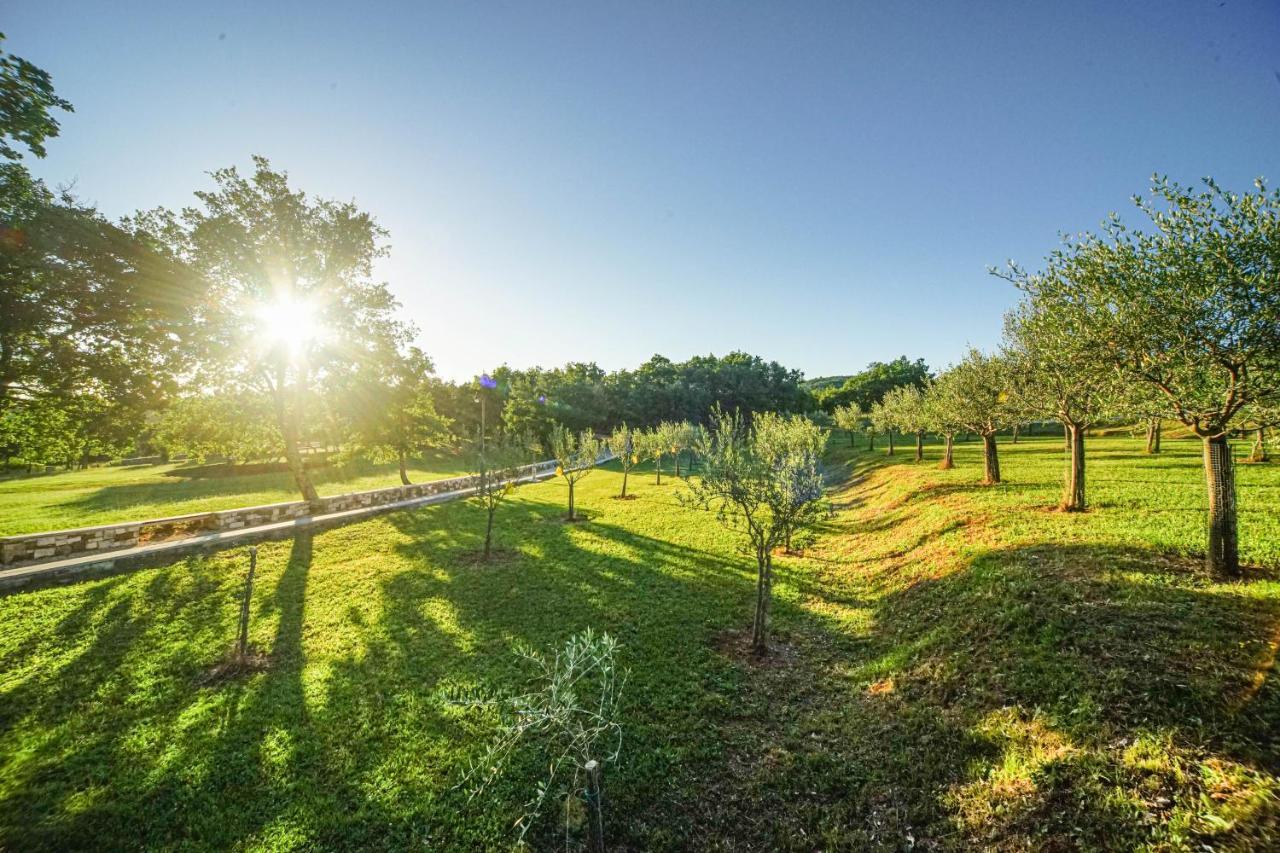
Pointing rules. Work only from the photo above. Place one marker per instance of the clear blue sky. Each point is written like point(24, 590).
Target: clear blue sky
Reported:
point(823, 184)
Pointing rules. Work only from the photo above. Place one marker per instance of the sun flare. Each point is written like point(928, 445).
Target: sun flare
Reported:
point(289, 322)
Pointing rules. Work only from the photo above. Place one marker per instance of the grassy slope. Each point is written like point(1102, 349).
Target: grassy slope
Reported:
point(956, 667)
point(110, 494)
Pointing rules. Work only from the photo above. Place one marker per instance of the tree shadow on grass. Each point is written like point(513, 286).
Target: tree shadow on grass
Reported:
point(1054, 697)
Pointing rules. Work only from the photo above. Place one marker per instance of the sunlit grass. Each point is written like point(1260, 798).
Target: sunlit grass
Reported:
point(956, 668)
point(105, 495)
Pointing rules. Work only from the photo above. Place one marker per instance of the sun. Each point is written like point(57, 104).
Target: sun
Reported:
point(289, 323)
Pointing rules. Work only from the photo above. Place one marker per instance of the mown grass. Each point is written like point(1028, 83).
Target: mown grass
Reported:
point(104, 495)
point(955, 667)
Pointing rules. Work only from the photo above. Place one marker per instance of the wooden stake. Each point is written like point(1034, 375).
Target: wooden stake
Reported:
point(242, 644)
point(595, 810)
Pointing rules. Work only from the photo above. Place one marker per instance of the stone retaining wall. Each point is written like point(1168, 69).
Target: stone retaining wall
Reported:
point(62, 544)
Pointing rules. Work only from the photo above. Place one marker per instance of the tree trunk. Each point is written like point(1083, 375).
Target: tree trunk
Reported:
point(871, 441)
point(625, 471)
point(852, 443)
point(890, 453)
point(1259, 452)
point(658, 467)
point(1015, 433)
point(1073, 489)
point(571, 516)
point(919, 447)
point(947, 460)
point(990, 461)
point(1153, 435)
point(488, 530)
point(764, 591)
point(288, 422)
point(1223, 557)
point(404, 473)
point(677, 465)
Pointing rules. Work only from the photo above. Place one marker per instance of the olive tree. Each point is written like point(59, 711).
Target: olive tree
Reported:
point(659, 443)
point(882, 420)
point(906, 407)
point(684, 436)
point(763, 480)
point(495, 467)
point(625, 444)
point(575, 455)
point(975, 395)
point(849, 418)
point(940, 419)
point(1192, 311)
point(1059, 371)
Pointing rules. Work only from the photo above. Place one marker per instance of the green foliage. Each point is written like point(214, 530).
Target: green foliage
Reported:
point(764, 481)
point(27, 102)
point(291, 300)
point(904, 408)
point(867, 388)
point(1005, 677)
point(232, 425)
point(976, 394)
point(495, 467)
point(568, 716)
point(849, 418)
point(1190, 310)
point(91, 323)
point(391, 405)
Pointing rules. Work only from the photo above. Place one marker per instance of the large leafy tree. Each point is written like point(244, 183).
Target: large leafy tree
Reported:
point(392, 408)
point(86, 308)
point(27, 105)
point(763, 479)
point(232, 425)
point(867, 388)
point(292, 302)
point(1191, 309)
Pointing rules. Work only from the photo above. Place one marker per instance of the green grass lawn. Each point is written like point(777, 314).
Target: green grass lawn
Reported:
point(955, 667)
point(109, 494)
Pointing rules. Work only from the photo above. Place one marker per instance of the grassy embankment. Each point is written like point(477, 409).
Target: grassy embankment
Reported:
point(955, 667)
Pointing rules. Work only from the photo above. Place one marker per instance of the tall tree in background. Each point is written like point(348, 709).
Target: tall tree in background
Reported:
point(869, 387)
point(292, 297)
point(1191, 310)
point(392, 408)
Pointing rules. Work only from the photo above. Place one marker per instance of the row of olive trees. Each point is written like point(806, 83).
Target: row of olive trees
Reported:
point(1181, 322)
point(668, 440)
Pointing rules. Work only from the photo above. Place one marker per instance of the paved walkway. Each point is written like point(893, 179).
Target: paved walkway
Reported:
point(162, 552)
